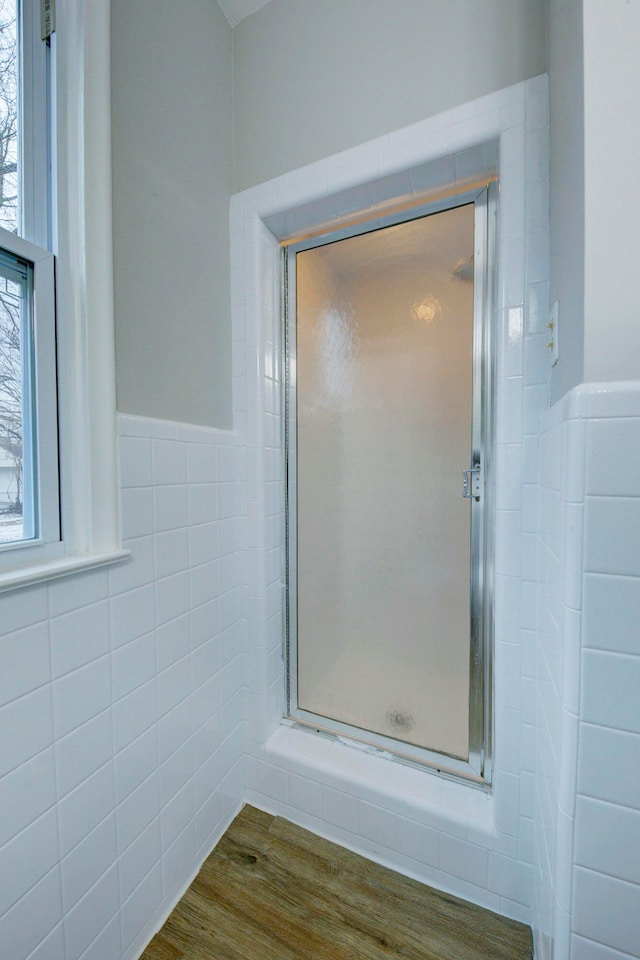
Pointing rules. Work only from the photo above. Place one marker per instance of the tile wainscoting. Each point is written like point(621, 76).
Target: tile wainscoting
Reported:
point(121, 708)
point(587, 812)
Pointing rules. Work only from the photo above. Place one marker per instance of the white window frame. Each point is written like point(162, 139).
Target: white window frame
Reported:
point(40, 422)
point(82, 243)
point(37, 61)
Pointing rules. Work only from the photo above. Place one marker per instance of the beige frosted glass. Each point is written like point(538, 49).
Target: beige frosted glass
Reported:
point(384, 405)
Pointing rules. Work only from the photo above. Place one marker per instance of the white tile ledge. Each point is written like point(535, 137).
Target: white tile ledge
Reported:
point(414, 793)
point(150, 428)
point(617, 398)
point(61, 567)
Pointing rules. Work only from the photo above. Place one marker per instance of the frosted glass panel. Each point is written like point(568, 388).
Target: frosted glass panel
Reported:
point(383, 417)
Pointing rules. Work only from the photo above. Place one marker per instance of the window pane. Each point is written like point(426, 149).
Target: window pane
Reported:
point(9, 87)
point(17, 466)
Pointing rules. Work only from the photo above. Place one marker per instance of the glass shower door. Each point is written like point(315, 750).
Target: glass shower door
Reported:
point(384, 371)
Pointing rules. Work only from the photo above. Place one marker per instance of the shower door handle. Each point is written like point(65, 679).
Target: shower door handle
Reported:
point(471, 483)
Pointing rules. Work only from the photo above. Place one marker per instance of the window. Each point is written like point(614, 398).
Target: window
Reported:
point(29, 502)
point(58, 479)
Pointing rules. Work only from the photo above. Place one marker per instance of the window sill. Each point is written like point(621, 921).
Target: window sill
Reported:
point(60, 567)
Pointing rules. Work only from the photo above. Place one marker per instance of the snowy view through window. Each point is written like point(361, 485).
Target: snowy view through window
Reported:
point(12, 289)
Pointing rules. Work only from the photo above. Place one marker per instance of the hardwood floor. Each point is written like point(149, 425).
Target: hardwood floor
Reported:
point(272, 891)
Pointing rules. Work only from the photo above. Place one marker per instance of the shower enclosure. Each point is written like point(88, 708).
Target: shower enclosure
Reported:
point(389, 423)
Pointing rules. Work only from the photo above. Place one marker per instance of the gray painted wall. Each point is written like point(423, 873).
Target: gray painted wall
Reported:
point(310, 79)
point(595, 189)
point(313, 78)
point(566, 119)
point(172, 179)
point(612, 189)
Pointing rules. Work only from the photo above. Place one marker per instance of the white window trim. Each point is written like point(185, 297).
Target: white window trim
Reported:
point(84, 294)
point(43, 497)
point(34, 149)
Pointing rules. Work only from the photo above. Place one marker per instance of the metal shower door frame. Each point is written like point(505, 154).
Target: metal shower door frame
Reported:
point(478, 768)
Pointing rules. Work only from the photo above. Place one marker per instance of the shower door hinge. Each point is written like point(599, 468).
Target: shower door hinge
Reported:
point(472, 483)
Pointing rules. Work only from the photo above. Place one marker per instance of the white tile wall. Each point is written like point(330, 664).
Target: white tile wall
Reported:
point(469, 843)
point(120, 693)
point(588, 720)
point(126, 738)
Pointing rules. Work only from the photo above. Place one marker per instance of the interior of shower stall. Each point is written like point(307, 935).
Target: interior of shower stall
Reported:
point(386, 405)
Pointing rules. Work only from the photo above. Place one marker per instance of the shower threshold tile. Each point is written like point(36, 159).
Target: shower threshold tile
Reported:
point(273, 891)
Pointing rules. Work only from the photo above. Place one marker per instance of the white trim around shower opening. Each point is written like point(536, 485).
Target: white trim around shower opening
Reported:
point(447, 153)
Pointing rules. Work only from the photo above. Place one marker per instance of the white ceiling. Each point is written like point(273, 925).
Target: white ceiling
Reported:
point(237, 10)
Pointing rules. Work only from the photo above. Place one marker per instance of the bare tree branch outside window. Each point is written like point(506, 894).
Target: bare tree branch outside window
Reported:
point(8, 116)
point(11, 294)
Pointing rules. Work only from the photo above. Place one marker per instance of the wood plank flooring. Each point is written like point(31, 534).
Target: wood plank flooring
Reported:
point(272, 891)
